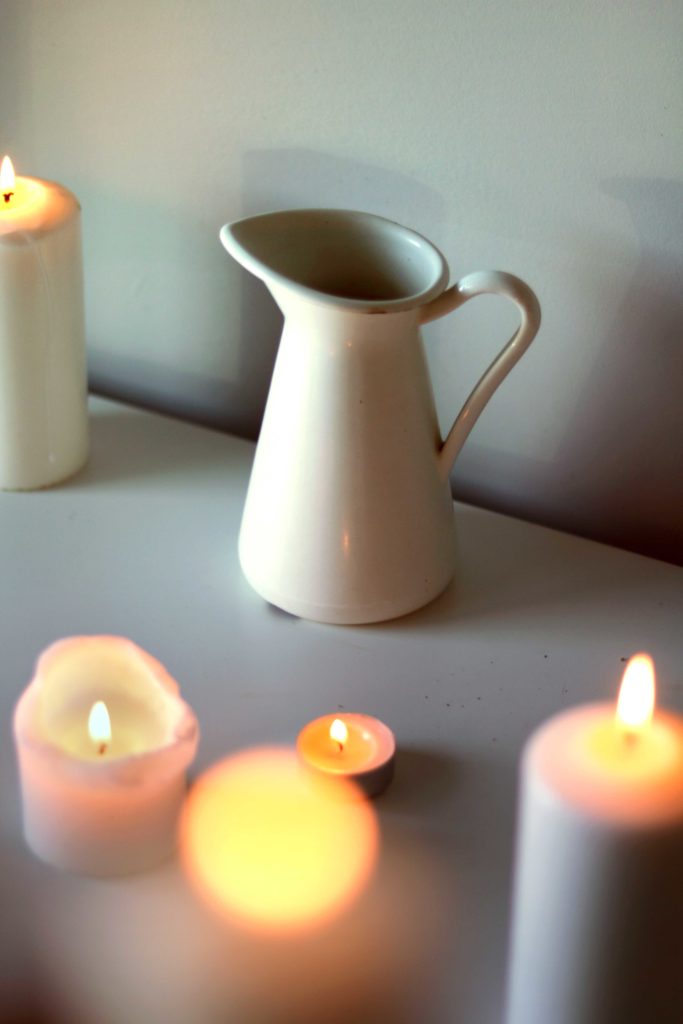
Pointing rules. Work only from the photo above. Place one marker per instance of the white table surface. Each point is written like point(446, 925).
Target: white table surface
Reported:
point(143, 543)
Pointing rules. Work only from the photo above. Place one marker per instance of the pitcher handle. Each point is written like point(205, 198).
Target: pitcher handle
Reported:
point(484, 282)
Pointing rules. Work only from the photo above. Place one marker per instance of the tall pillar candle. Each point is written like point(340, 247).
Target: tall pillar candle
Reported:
point(597, 934)
point(43, 381)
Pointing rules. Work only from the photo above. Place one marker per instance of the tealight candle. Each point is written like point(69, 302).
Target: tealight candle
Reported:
point(597, 931)
point(103, 740)
point(43, 382)
point(351, 746)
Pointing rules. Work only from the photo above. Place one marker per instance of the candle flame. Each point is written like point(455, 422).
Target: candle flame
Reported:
point(7, 179)
point(338, 732)
point(99, 725)
point(636, 703)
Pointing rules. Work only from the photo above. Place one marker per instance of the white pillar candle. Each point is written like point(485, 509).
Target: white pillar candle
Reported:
point(597, 934)
point(103, 740)
point(43, 381)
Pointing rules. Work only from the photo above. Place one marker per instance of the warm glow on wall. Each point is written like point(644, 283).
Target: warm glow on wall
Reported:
point(263, 840)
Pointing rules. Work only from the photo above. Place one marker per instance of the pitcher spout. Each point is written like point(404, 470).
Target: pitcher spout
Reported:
point(342, 258)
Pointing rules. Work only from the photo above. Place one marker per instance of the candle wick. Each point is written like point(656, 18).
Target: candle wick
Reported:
point(341, 747)
point(630, 737)
point(7, 196)
point(102, 749)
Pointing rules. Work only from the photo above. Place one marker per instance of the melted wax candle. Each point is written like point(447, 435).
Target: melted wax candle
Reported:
point(103, 741)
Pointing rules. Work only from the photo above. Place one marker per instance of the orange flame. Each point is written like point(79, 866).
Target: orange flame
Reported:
point(7, 178)
point(99, 725)
point(339, 732)
point(636, 703)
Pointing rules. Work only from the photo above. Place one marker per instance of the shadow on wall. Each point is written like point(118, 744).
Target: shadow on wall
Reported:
point(15, 86)
point(232, 401)
point(163, 280)
point(277, 179)
point(618, 476)
point(244, 324)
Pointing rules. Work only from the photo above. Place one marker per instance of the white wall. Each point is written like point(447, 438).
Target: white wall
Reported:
point(544, 138)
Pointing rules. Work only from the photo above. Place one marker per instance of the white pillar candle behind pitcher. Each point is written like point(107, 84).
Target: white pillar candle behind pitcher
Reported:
point(43, 383)
point(349, 516)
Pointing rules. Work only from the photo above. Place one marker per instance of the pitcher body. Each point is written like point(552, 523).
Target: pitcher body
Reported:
point(347, 518)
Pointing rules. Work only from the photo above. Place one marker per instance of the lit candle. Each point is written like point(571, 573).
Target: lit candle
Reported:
point(43, 383)
point(597, 931)
point(352, 746)
point(103, 741)
point(272, 847)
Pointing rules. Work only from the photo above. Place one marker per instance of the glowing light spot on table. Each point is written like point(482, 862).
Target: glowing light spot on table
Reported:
point(265, 842)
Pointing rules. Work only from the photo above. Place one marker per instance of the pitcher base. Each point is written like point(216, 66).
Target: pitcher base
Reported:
point(349, 614)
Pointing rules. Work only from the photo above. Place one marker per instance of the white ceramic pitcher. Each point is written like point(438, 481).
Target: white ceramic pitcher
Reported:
point(348, 516)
